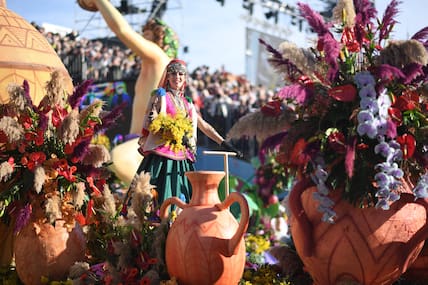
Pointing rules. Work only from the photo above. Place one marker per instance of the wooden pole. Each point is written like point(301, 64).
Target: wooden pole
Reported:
point(225, 155)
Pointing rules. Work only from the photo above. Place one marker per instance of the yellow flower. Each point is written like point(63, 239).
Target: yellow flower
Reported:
point(172, 129)
point(256, 244)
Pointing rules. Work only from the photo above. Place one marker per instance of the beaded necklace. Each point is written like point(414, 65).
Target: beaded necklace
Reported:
point(177, 98)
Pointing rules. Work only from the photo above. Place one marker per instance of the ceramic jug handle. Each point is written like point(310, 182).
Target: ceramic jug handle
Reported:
point(163, 213)
point(243, 223)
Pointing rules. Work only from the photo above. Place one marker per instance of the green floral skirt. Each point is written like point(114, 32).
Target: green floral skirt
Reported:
point(168, 176)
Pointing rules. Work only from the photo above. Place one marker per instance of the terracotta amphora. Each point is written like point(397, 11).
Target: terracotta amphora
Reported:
point(363, 245)
point(46, 250)
point(205, 244)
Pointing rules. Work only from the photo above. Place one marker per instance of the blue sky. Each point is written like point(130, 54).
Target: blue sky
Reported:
point(214, 34)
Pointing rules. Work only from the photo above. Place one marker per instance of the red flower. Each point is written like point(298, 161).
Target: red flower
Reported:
point(34, 159)
point(94, 188)
point(11, 161)
point(80, 219)
point(408, 101)
point(58, 116)
point(408, 145)
point(40, 140)
point(65, 170)
point(27, 122)
point(348, 39)
point(89, 209)
point(396, 115)
point(28, 136)
point(343, 93)
point(336, 141)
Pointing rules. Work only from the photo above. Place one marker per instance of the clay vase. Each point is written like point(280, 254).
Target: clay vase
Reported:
point(364, 245)
point(26, 54)
point(418, 271)
point(205, 244)
point(45, 250)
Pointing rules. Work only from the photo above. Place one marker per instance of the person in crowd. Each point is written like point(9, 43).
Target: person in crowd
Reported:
point(167, 158)
point(155, 47)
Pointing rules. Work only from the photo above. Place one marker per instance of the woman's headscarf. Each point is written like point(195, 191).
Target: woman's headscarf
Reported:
point(174, 66)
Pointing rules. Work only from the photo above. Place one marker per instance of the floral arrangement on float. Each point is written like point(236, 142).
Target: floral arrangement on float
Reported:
point(126, 245)
point(357, 140)
point(47, 155)
point(360, 106)
point(50, 171)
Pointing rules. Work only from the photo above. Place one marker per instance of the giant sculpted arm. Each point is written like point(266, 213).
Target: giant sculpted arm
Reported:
point(154, 59)
point(125, 156)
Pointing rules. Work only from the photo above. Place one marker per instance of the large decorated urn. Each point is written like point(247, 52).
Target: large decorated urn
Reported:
point(25, 54)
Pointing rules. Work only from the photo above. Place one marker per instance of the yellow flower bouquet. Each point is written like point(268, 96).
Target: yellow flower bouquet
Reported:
point(174, 130)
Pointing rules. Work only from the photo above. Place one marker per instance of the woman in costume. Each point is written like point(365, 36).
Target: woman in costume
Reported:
point(168, 140)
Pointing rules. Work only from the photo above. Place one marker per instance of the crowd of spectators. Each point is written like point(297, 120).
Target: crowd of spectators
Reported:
point(221, 97)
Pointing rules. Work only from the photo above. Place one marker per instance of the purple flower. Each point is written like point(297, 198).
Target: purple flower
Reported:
point(369, 104)
point(384, 102)
point(382, 127)
point(388, 20)
point(365, 116)
point(329, 216)
point(367, 91)
point(383, 204)
point(383, 179)
point(77, 96)
point(382, 148)
point(368, 128)
point(299, 93)
point(23, 217)
point(364, 78)
point(421, 188)
point(325, 202)
point(383, 193)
